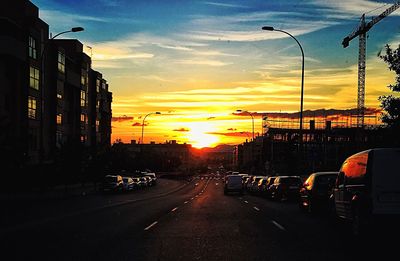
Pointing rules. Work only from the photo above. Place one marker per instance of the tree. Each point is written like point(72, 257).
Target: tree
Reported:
point(390, 103)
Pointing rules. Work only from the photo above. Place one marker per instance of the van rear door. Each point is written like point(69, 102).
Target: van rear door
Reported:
point(386, 181)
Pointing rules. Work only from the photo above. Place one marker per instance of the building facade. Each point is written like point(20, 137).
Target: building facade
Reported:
point(50, 97)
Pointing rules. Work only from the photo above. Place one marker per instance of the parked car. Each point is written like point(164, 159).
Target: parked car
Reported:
point(143, 182)
point(316, 190)
point(113, 183)
point(262, 185)
point(285, 187)
point(136, 182)
point(153, 178)
point(268, 184)
point(128, 183)
point(253, 187)
point(233, 183)
point(367, 189)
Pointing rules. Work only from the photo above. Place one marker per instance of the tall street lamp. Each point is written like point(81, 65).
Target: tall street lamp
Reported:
point(252, 118)
point(42, 85)
point(157, 112)
point(270, 28)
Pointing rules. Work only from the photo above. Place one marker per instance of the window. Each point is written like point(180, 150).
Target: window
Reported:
point(83, 98)
point(59, 96)
point(61, 62)
point(103, 85)
point(97, 125)
point(97, 104)
point(32, 106)
point(32, 48)
point(84, 76)
point(83, 138)
point(34, 78)
point(59, 139)
point(97, 85)
point(83, 118)
point(59, 118)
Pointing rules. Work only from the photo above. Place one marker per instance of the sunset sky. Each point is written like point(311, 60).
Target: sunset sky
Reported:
point(199, 61)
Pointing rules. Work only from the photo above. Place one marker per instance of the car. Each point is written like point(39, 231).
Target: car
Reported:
point(268, 184)
point(153, 178)
point(367, 190)
point(285, 187)
point(253, 186)
point(129, 184)
point(262, 185)
point(233, 183)
point(113, 183)
point(136, 182)
point(143, 182)
point(316, 190)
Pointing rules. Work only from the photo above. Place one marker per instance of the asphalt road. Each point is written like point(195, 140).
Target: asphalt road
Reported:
point(192, 221)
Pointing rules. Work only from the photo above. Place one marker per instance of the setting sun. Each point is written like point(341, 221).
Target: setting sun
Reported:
point(199, 135)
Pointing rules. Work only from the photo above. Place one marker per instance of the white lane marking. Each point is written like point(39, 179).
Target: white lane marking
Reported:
point(185, 202)
point(152, 225)
point(191, 198)
point(278, 225)
point(216, 184)
point(246, 202)
point(256, 208)
point(174, 209)
point(196, 196)
point(196, 184)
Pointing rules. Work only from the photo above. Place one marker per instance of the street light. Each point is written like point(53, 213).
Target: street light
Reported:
point(252, 118)
point(157, 112)
point(42, 85)
point(270, 28)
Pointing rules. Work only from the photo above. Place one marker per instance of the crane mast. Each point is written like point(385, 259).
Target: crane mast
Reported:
point(361, 32)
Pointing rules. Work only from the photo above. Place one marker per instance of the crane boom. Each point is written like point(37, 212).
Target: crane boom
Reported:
point(361, 31)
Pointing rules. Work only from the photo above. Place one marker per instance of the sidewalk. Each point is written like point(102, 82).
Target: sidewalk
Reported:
point(57, 192)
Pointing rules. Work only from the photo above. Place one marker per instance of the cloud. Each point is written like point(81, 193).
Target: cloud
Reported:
point(351, 8)
point(122, 118)
point(62, 18)
point(231, 129)
point(232, 134)
point(225, 5)
point(202, 62)
point(139, 124)
point(182, 130)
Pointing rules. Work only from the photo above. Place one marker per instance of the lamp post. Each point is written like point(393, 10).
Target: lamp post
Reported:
point(270, 28)
point(42, 86)
point(252, 118)
point(157, 112)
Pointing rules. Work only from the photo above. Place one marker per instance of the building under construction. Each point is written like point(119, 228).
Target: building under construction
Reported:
point(323, 147)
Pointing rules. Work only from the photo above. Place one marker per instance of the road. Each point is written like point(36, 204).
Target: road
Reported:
point(185, 221)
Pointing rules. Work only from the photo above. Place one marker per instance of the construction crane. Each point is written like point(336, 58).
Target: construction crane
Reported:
point(361, 31)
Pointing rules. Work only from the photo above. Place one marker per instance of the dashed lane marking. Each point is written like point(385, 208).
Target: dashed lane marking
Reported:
point(152, 225)
point(185, 202)
point(256, 208)
point(246, 202)
point(278, 225)
point(174, 209)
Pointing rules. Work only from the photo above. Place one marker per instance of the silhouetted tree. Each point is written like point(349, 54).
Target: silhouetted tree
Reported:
point(389, 103)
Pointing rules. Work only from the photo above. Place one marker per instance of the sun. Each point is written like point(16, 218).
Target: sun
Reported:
point(199, 135)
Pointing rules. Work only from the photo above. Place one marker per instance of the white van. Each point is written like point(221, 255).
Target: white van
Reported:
point(367, 189)
point(233, 183)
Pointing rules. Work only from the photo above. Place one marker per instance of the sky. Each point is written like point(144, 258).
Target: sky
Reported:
point(197, 62)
